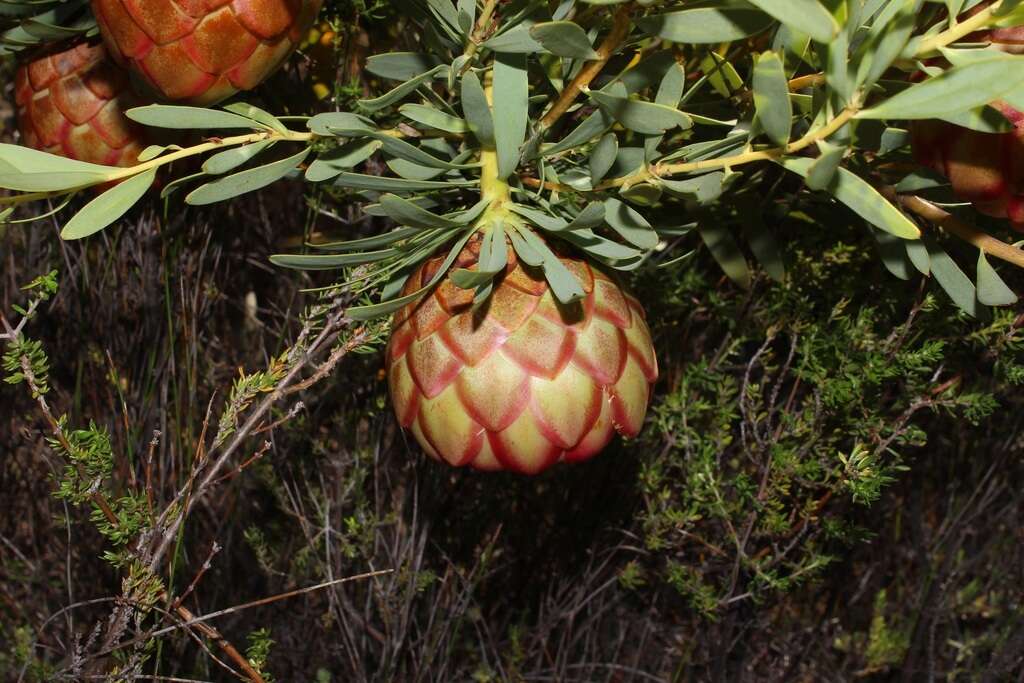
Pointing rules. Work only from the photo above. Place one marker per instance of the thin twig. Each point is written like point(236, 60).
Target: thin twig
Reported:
point(988, 244)
point(609, 46)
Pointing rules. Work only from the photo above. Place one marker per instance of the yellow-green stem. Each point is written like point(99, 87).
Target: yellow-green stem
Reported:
point(966, 27)
point(493, 187)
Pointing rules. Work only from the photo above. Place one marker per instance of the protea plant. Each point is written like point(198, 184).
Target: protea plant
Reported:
point(203, 51)
point(522, 381)
point(984, 166)
point(71, 101)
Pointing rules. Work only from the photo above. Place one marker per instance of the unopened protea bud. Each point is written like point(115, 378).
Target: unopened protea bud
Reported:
point(986, 169)
point(521, 382)
point(203, 51)
point(71, 101)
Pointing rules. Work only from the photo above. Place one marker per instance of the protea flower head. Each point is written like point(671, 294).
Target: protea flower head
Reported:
point(986, 169)
point(71, 101)
point(522, 381)
point(203, 51)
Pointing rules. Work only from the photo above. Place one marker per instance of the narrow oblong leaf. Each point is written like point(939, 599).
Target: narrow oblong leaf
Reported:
point(713, 23)
point(511, 115)
point(806, 16)
point(230, 159)
point(771, 98)
point(406, 212)
point(726, 252)
point(564, 38)
point(108, 207)
point(643, 117)
point(392, 305)
point(245, 181)
point(346, 157)
point(603, 157)
point(392, 96)
point(953, 280)
point(182, 117)
point(992, 291)
point(633, 227)
point(476, 109)
point(959, 89)
point(434, 118)
point(862, 198)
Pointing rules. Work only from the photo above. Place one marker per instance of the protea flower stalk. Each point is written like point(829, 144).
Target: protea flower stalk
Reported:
point(521, 382)
point(512, 347)
point(986, 169)
point(71, 102)
point(490, 368)
point(203, 51)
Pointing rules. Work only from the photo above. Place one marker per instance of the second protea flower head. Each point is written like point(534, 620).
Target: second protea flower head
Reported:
point(71, 101)
point(203, 51)
point(986, 169)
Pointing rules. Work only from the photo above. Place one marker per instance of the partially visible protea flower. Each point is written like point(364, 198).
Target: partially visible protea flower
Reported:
point(986, 169)
point(521, 382)
point(71, 102)
point(203, 51)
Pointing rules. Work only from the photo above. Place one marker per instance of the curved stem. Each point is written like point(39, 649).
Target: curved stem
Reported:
point(747, 157)
point(966, 27)
point(609, 46)
point(217, 143)
point(988, 244)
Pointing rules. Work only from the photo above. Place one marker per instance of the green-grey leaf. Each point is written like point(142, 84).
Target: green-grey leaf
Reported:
point(771, 98)
point(256, 114)
point(340, 123)
point(862, 198)
point(633, 227)
point(401, 66)
point(405, 212)
point(245, 181)
point(726, 252)
point(476, 109)
point(392, 96)
point(603, 157)
point(825, 167)
point(717, 22)
point(392, 305)
point(511, 115)
point(992, 291)
point(893, 253)
point(348, 156)
point(182, 117)
point(917, 252)
point(957, 90)
point(230, 159)
point(953, 280)
point(806, 16)
point(434, 118)
point(108, 207)
point(564, 38)
point(643, 117)
point(362, 181)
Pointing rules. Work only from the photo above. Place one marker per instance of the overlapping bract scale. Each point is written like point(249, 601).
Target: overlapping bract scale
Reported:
point(71, 101)
point(521, 382)
point(203, 51)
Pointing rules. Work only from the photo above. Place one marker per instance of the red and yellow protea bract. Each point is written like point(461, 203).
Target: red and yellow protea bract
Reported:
point(71, 101)
point(203, 51)
point(986, 169)
point(520, 382)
